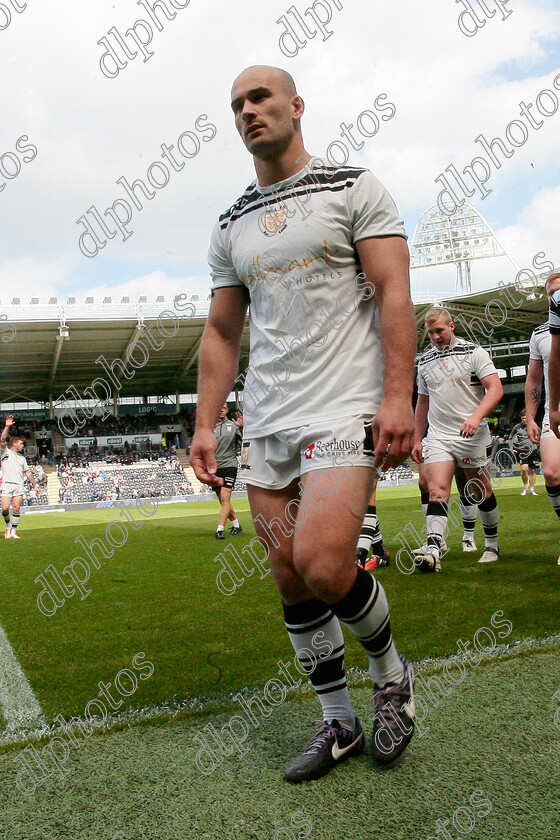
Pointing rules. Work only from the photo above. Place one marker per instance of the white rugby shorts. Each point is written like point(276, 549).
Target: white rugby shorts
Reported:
point(468, 453)
point(10, 489)
point(274, 461)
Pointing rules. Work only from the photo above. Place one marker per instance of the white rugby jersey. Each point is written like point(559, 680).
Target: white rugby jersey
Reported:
point(14, 466)
point(539, 349)
point(451, 379)
point(315, 347)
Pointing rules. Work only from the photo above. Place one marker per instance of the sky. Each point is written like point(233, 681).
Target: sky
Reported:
point(74, 123)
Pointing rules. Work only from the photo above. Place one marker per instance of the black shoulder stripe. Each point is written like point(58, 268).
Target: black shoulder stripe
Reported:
point(317, 182)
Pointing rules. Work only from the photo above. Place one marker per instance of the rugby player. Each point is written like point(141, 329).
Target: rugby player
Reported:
point(544, 359)
point(14, 468)
point(526, 452)
point(458, 386)
point(320, 253)
point(228, 435)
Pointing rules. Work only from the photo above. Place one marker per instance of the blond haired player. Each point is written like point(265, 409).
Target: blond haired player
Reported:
point(458, 386)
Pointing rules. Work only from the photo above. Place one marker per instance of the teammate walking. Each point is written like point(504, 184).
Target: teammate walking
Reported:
point(543, 360)
point(228, 435)
point(526, 452)
point(14, 468)
point(458, 386)
point(319, 251)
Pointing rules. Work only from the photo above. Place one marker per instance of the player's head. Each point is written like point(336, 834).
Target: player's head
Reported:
point(17, 443)
point(224, 411)
point(552, 284)
point(267, 110)
point(440, 326)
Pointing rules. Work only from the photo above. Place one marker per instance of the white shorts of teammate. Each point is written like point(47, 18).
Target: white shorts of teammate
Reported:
point(274, 461)
point(470, 454)
point(10, 489)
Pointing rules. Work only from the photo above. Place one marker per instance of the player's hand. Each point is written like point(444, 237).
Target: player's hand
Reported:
point(9, 421)
point(554, 421)
point(533, 431)
point(238, 419)
point(416, 453)
point(203, 457)
point(469, 427)
point(393, 433)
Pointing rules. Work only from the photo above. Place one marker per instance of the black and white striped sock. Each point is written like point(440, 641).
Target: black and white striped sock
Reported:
point(15, 521)
point(6, 515)
point(371, 538)
point(436, 523)
point(489, 517)
point(554, 496)
point(313, 628)
point(365, 611)
point(468, 514)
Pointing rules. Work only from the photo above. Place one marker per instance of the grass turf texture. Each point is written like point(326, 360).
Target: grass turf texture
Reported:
point(494, 733)
point(157, 594)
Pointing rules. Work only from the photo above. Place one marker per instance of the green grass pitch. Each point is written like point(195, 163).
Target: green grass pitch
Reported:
point(157, 594)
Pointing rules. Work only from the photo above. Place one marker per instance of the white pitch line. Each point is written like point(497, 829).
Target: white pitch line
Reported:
point(20, 707)
point(222, 701)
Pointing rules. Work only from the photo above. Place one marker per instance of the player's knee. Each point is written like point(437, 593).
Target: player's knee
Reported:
point(320, 573)
point(551, 474)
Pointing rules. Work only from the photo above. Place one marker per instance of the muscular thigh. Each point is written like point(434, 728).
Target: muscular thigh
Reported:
point(550, 455)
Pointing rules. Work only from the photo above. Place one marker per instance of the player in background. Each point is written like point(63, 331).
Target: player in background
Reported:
point(526, 453)
point(228, 435)
point(317, 411)
point(14, 468)
point(458, 386)
point(544, 360)
point(371, 539)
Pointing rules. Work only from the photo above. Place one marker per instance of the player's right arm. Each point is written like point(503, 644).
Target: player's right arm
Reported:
point(420, 426)
point(533, 391)
point(5, 431)
point(217, 370)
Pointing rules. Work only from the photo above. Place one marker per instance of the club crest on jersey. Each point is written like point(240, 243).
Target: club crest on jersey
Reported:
point(273, 221)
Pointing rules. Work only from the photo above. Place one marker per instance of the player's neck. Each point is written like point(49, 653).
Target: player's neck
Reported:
point(289, 162)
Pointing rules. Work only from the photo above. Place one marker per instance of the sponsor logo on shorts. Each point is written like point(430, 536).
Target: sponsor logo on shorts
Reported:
point(245, 455)
point(324, 448)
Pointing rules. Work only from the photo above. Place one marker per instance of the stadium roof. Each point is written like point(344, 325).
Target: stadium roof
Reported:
point(47, 349)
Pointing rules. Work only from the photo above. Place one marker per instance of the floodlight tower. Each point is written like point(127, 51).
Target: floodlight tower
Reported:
point(456, 237)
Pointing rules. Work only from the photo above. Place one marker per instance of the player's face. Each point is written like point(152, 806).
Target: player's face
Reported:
point(264, 111)
point(441, 333)
point(18, 445)
point(223, 412)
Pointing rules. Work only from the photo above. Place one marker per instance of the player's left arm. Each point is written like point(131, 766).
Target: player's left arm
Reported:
point(494, 393)
point(385, 263)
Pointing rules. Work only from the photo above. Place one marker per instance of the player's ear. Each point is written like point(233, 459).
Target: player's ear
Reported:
point(298, 107)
